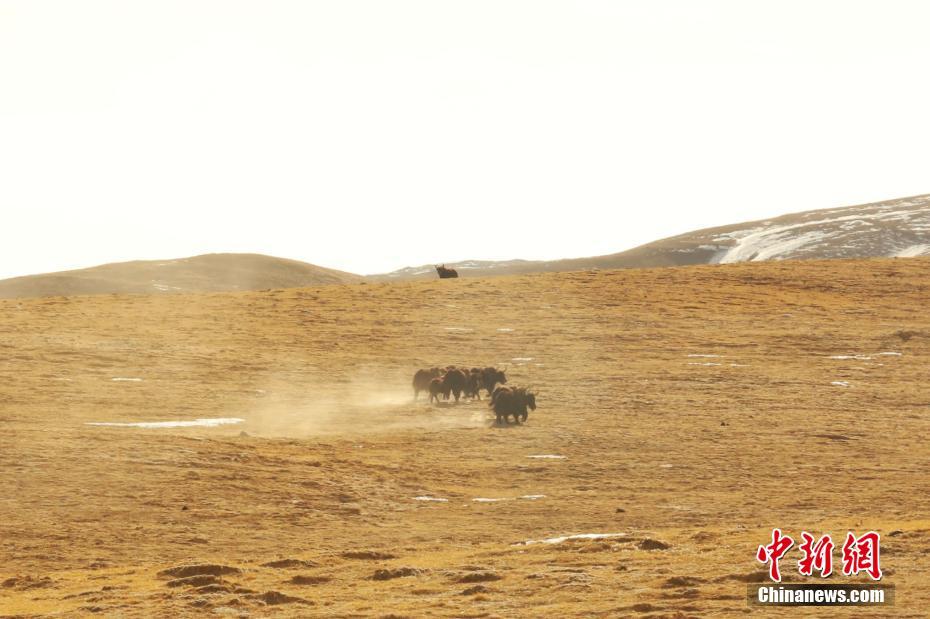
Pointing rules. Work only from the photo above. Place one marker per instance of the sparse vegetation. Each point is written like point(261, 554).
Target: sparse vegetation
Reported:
point(690, 407)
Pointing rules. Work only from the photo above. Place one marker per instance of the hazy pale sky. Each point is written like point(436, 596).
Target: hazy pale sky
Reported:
point(369, 136)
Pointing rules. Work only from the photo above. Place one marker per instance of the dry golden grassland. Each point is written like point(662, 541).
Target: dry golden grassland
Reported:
point(308, 508)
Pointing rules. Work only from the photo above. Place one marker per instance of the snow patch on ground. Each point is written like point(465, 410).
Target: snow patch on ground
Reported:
point(565, 538)
point(525, 497)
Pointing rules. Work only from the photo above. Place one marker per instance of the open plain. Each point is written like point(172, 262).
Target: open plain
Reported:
point(683, 413)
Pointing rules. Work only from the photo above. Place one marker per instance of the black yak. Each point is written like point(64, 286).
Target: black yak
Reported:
point(436, 387)
point(422, 378)
point(445, 273)
point(455, 381)
point(514, 401)
point(473, 384)
point(491, 377)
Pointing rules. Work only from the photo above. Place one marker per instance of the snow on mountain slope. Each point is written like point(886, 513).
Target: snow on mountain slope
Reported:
point(894, 228)
point(914, 250)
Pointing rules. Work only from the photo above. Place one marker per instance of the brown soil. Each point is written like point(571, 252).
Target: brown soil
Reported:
point(700, 455)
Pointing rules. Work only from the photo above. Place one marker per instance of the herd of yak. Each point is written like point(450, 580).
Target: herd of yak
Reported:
point(468, 383)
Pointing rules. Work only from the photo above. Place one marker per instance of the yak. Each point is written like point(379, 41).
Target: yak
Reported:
point(446, 273)
point(473, 384)
point(422, 379)
point(455, 380)
point(436, 387)
point(514, 401)
point(491, 377)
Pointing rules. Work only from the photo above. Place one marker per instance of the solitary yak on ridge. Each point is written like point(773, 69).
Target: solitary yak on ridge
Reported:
point(445, 273)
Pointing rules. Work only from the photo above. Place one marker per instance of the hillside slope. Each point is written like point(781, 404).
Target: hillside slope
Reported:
point(697, 408)
point(894, 228)
point(879, 230)
point(206, 273)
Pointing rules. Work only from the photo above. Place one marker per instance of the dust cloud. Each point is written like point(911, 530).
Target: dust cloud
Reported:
point(369, 402)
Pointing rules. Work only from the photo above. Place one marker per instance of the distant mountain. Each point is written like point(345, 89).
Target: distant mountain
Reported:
point(207, 273)
point(881, 229)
